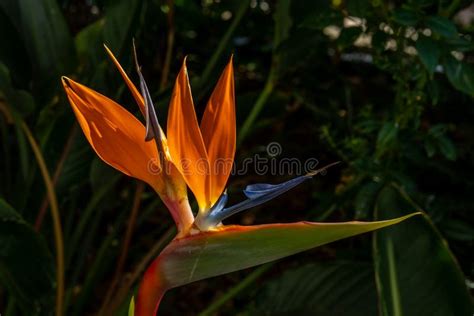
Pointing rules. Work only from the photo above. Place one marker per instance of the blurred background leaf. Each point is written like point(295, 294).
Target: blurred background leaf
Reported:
point(416, 272)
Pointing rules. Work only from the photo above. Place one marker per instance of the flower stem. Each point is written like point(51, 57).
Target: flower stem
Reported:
point(57, 173)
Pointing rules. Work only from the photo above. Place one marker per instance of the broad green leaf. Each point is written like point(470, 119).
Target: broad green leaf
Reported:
point(429, 52)
point(15, 56)
point(441, 25)
point(46, 38)
point(415, 270)
point(26, 266)
point(89, 42)
point(343, 288)
point(233, 248)
point(119, 20)
point(461, 75)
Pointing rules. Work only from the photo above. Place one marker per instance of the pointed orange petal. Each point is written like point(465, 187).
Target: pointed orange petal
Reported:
point(136, 94)
point(218, 131)
point(185, 141)
point(115, 134)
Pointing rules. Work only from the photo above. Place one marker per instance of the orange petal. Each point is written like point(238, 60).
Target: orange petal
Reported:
point(218, 131)
point(136, 94)
point(115, 134)
point(185, 141)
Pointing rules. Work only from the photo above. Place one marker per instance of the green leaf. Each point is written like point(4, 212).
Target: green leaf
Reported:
point(234, 248)
point(119, 21)
point(459, 44)
point(441, 25)
point(26, 266)
point(131, 308)
point(429, 52)
point(240, 247)
point(386, 138)
point(319, 289)
point(416, 272)
point(89, 42)
point(458, 230)
point(20, 101)
point(447, 147)
point(405, 17)
point(430, 147)
point(46, 37)
point(365, 199)
point(461, 75)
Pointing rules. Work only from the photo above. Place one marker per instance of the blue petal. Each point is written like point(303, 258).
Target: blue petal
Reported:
point(260, 193)
point(256, 194)
point(254, 191)
point(220, 204)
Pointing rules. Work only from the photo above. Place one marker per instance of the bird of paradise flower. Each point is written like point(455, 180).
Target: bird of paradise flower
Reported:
point(184, 157)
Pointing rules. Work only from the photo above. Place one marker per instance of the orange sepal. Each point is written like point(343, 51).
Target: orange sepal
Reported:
point(114, 133)
point(219, 132)
point(185, 142)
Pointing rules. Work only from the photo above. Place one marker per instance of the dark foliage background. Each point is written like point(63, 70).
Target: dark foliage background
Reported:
point(386, 87)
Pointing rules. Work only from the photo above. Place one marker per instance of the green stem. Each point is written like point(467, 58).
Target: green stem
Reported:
point(244, 5)
point(250, 279)
point(257, 108)
point(57, 173)
point(282, 27)
point(58, 235)
point(451, 9)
